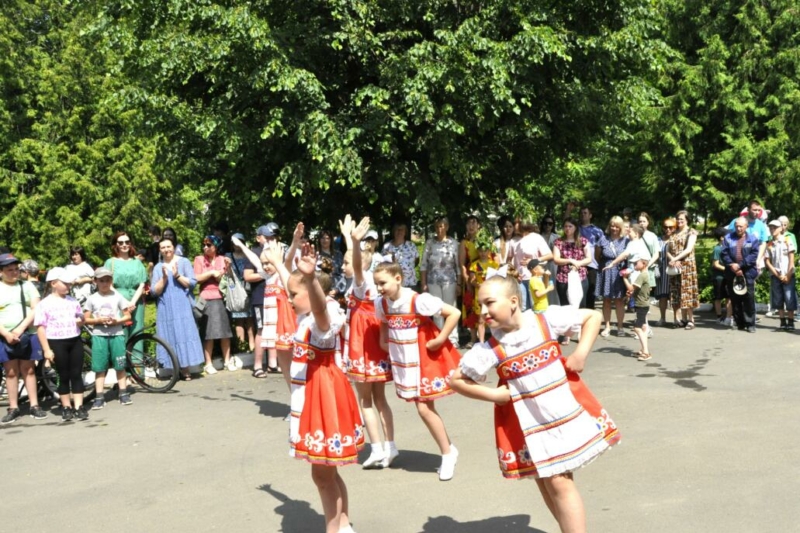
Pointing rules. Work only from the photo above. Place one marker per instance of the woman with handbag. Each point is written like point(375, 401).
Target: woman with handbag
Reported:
point(19, 346)
point(209, 269)
point(242, 319)
point(171, 284)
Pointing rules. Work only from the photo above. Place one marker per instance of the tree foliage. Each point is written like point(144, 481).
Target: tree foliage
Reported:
point(298, 108)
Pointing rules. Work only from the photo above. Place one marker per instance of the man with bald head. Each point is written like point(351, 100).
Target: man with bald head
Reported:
point(740, 252)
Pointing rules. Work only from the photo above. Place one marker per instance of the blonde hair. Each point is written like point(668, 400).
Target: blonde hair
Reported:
point(617, 221)
point(323, 278)
point(509, 284)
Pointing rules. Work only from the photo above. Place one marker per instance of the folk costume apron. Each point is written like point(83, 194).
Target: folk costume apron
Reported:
point(279, 318)
point(364, 358)
point(326, 426)
point(553, 424)
point(419, 375)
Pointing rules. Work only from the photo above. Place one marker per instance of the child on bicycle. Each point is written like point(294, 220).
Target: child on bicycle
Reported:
point(107, 311)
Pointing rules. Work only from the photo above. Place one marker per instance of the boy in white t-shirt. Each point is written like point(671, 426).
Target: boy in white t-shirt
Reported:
point(106, 310)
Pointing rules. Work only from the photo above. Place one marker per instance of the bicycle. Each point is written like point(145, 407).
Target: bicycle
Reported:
point(153, 369)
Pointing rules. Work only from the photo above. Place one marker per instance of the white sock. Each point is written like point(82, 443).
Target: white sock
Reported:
point(388, 446)
point(376, 448)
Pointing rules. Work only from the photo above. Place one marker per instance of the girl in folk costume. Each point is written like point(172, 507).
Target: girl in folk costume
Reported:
point(326, 428)
point(423, 359)
point(547, 423)
point(366, 361)
point(280, 320)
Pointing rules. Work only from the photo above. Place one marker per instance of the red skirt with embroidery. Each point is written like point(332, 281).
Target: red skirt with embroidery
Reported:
point(330, 427)
point(287, 324)
point(435, 367)
point(366, 360)
point(509, 435)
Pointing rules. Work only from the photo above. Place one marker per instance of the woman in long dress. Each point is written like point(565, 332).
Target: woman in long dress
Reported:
point(171, 283)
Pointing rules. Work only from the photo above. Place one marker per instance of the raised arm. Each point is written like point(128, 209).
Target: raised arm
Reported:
point(357, 233)
point(346, 226)
point(251, 256)
point(316, 297)
point(273, 254)
point(297, 243)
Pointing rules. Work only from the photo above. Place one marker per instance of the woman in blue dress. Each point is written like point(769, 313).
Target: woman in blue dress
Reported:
point(610, 286)
point(172, 283)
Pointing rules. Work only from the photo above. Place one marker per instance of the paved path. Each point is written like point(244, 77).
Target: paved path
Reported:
point(710, 443)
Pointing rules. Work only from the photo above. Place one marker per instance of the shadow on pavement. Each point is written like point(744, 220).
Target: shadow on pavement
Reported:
point(414, 461)
point(298, 516)
point(508, 524)
point(266, 407)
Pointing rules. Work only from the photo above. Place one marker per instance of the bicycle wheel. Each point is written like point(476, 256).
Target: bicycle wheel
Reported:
point(50, 380)
point(151, 362)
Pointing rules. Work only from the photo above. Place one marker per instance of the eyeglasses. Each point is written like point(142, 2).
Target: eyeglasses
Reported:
point(123, 243)
point(207, 245)
point(668, 227)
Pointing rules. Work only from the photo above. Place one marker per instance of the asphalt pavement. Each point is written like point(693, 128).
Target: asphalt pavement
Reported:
point(709, 444)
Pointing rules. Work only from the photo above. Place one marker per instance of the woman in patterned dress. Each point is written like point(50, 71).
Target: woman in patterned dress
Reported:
point(547, 422)
point(683, 287)
point(571, 252)
point(610, 286)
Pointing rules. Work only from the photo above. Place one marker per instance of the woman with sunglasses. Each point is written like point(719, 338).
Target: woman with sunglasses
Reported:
point(130, 275)
point(209, 269)
point(661, 288)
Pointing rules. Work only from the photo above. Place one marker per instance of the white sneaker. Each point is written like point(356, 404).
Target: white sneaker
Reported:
point(727, 322)
point(390, 455)
point(770, 314)
point(231, 366)
point(374, 461)
point(448, 467)
point(209, 369)
point(649, 332)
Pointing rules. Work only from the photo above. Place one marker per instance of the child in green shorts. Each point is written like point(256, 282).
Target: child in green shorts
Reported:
point(106, 310)
point(540, 285)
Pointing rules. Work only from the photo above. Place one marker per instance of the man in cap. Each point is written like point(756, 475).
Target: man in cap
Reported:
point(740, 252)
point(19, 346)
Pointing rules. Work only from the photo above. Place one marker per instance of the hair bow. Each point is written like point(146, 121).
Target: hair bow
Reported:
point(502, 272)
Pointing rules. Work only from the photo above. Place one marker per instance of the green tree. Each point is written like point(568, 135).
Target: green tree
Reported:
point(74, 165)
point(308, 108)
point(728, 127)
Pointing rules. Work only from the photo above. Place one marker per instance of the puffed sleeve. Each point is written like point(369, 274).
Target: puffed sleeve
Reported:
point(186, 270)
point(326, 339)
point(428, 305)
point(563, 320)
point(477, 362)
point(379, 309)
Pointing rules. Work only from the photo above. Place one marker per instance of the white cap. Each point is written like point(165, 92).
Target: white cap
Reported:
point(60, 274)
point(371, 234)
point(777, 223)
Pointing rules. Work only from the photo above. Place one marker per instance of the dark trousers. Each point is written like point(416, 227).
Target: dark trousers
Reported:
point(744, 306)
point(589, 299)
point(69, 364)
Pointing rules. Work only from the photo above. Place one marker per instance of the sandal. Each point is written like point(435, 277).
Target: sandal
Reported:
point(644, 357)
point(605, 333)
point(273, 369)
point(689, 326)
point(259, 373)
point(186, 377)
